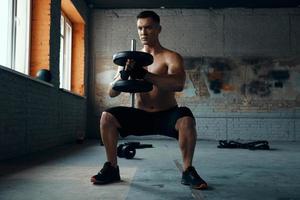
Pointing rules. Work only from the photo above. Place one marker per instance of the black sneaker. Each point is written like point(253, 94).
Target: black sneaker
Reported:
point(108, 174)
point(192, 178)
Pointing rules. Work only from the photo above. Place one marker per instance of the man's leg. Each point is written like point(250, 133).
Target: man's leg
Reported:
point(187, 142)
point(187, 139)
point(109, 134)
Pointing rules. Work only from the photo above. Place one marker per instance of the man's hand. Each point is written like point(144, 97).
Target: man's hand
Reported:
point(124, 74)
point(134, 71)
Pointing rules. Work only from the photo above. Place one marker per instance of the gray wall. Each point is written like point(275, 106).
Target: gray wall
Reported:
point(250, 42)
point(195, 33)
point(35, 115)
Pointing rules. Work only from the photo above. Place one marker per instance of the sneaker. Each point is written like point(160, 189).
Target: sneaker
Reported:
point(108, 174)
point(192, 178)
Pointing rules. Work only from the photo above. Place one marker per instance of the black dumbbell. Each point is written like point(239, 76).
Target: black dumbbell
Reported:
point(126, 151)
point(132, 85)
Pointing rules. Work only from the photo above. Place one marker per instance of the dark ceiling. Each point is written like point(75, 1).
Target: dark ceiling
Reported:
point(151, 4)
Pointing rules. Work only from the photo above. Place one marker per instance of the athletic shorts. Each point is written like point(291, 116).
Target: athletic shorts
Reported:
point(138, 122)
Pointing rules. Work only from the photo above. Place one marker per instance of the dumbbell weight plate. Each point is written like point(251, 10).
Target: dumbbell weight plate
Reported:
point(128, 152)
point(141, 58)
point(119, 150)
point(133, 86)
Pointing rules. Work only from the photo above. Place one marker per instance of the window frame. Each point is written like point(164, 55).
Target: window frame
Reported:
point(14, 48)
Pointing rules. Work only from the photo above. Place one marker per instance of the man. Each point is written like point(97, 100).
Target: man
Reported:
point(157, 110)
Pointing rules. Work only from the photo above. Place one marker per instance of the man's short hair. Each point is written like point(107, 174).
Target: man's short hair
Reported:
point(150, 14)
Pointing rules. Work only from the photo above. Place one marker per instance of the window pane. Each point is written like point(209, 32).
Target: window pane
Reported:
point(65, 53)
point(61, 63)
point(6, 32)
point(22, 36)
point(14, 34)
point(62, 25)
point(68, 51)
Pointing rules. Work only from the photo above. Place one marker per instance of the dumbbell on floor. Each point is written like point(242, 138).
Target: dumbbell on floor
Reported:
point(126, 151)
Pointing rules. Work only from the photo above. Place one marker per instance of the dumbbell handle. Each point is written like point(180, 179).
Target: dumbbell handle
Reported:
point(133, 47)
point(123, 73)
point(138, 145)
point(143, 146)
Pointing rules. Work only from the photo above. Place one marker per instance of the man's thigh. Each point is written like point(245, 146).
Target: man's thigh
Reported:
point(132, 121)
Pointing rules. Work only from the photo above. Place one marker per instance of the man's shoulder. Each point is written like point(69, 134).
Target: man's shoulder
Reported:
point(173, 59)
point(171, 54)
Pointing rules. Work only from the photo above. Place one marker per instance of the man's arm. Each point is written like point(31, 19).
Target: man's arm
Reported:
point(174, 80)
point(111, 91)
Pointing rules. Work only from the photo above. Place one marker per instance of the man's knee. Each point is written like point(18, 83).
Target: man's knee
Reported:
point(185, 124)
point(108, 120)
point(186, 129)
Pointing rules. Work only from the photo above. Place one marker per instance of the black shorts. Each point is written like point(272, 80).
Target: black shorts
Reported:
point(138, 122)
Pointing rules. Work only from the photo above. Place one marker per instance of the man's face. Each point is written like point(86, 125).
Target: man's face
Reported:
point(148, 30)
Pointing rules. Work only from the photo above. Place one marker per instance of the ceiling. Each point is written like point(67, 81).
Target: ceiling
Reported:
point(152, 4)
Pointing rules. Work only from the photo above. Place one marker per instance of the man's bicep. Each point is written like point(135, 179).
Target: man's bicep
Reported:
point(176, 67)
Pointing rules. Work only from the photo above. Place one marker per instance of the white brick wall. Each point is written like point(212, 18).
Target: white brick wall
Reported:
point(233, 128)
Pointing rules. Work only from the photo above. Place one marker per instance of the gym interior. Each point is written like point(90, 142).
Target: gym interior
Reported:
point(242, 62)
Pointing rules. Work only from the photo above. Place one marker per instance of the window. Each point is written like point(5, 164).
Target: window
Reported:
point(65, 52)
point(15, 34)
point(72, 51)
point(5, 34)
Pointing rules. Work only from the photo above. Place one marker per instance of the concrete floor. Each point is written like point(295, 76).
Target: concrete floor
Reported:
point(239, 174)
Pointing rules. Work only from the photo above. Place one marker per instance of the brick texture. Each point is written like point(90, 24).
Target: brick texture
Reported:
point(35, 116)
point(241, 36)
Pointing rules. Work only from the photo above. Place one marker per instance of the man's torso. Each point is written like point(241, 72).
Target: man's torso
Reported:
point(157, 99)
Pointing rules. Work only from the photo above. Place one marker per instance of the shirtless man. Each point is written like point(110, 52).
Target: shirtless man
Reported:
point(157, 111)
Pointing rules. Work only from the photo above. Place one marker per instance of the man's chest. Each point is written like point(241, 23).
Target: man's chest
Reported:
point(158, 67)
